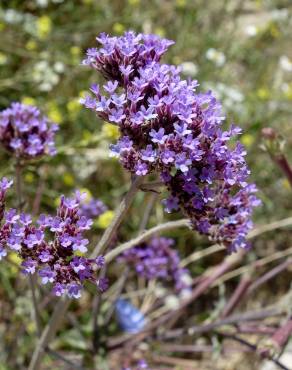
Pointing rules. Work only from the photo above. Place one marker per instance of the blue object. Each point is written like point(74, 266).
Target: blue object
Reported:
point(130, 319)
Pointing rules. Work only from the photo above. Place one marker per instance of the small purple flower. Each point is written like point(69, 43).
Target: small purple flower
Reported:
point(11, 216)
point(141, 169)
point(3, 252)
point(171, 204)
point(181, 129)
point(47, 275)
point(84, 223)
point(167, 156)
point(65, 240)
point(74, 290)
point(110, 87)
point(25, 219)
point(149, 154)
point(78, 264)
point(79, 244)
point(44, 221)
point(158, 136)
point(116, 115)
point(5, 184)
point(100, 261)
point(34, 239)
point(29, 266)
point(14, 242)
point(59, 289)
point(45, 256)
point(102, 284)
point(56, 224)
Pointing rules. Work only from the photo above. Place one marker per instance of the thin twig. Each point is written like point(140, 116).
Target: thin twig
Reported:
point(19, 191)
point(144, 236)
point(254, 348)
point(64, 359)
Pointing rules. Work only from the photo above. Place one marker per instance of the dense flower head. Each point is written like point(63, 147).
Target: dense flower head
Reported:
point(167, 127)
point(53, 246)
point(25, 132)
point(157, 259)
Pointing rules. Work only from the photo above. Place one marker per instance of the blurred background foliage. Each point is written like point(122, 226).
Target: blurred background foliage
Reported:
point(241, 49)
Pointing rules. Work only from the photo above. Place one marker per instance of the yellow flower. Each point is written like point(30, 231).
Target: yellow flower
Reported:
point(44, 26)
point(3, 59)
point(274, 31)
point(133, 2)
point(29, 177)
point(31, 45)
point(118, 28)
point(247, 140)
point(263, 93)
point(110, 131)
point(181, 3)
point(28, 100)
point(286, 184)
point(105, 219)
point(73, 107)
point(159, 31)
point(75, 51)
point(68, 179)
point(54, 113)
point(83, 93)
point(13, 257)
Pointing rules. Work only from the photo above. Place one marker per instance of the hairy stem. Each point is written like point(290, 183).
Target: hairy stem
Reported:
point(36, 313)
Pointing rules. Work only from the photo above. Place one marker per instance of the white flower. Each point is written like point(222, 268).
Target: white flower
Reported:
point(216, 56)
point(279, 14)
point(59, 67)
point(189, 68)
point(285, 63)
point(251, 30)
point(172, 302)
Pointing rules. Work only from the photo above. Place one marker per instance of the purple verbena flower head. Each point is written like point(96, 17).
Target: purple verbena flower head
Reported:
point(49, 246)
point(167, 127)
point(25, 132)
point(157, 259)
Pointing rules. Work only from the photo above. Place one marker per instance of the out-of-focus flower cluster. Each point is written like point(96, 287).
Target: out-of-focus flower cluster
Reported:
point(158, 259)
point(93, 208)
point(25, 132)
point(53, 246)
point(141, 365)
point(167, 127)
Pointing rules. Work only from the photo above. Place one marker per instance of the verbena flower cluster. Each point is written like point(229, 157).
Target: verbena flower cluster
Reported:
point(93, 209)
point(25, 132)
point(141, 365)
point(166, 126)
point(158, 259)
point(53, 246)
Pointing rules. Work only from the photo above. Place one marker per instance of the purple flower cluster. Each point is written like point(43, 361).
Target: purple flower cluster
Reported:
point(93, 209)
point(25, 132)
point(167, 127)
point(141, 365)
point(53, 246)
point(157, 259)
